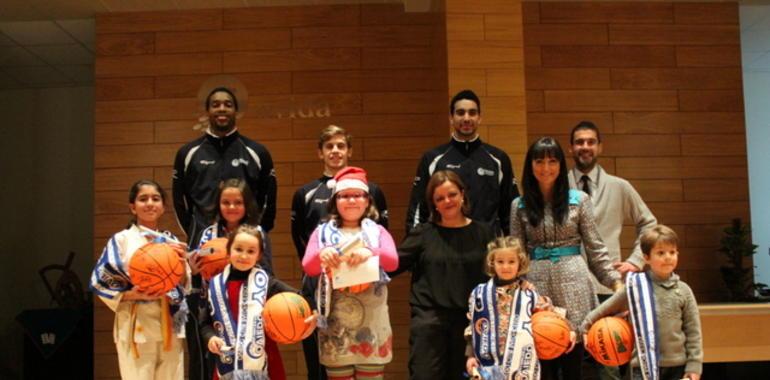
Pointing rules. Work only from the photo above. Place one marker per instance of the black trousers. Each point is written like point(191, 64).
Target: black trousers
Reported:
point(436, 344)
point(666, 373)
point(315, 371)
point(200, 363)
point(570, 365)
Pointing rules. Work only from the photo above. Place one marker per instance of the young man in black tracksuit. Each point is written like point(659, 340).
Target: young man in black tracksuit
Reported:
point(221, 153)
point(484, 169)
point(309, 208)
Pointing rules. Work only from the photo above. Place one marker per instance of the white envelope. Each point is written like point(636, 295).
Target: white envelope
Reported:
point(368, 271)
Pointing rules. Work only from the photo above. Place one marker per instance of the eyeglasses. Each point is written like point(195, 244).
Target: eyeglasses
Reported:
point(471, 112)
point(351, 196)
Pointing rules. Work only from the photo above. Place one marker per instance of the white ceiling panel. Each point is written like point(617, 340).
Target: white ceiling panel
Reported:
point(83, 30)
point(18, 56)
point(38, 75)
point(74, 54)
point(35, 33)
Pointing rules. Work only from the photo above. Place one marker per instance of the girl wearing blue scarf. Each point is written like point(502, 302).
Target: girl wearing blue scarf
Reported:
point(500, 334)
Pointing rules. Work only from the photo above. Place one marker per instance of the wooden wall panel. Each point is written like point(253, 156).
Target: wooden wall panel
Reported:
point(606, 12)
point(665, 89)
point(125, 88)
point(708, 56)
point(222, 40)
point(126, 44)
point(374, 69)
point(608, 56)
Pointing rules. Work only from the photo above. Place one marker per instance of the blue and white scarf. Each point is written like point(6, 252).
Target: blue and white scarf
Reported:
point(641, 303)
point(518, 359)
point(329, 235)
point(246, 336)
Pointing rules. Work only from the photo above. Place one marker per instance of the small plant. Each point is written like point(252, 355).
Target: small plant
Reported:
point(737, 247)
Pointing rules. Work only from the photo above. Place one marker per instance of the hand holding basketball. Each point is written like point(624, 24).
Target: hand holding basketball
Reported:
point(215, 343)
point(194, 262)
point(310, 325)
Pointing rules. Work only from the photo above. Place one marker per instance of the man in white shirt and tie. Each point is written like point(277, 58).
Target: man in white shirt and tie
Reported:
point(614, 200)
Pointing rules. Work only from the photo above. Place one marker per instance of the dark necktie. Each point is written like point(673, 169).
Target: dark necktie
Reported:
point(586, 187)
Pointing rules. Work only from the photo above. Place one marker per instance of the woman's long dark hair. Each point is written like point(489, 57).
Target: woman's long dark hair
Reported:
point(534, 204)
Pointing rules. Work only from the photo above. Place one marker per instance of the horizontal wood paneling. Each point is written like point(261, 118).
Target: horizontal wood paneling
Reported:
point(679, 122)
point(606, 12)
point(125, 22)
point(608, 56)
point(559, 34)
point(270, 17)
point(223, 40)
point(151, 65)
point(292, 60)
point(126, 44)
point(125, 88)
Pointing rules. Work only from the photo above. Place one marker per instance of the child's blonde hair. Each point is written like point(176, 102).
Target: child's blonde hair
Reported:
point(245, 229)
point(503, 243)
point(655, 235)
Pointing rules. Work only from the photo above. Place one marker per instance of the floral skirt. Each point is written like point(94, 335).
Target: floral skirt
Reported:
point(358, 329)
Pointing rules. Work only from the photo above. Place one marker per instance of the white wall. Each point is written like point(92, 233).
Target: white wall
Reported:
point(755, 52)
point(46, 153)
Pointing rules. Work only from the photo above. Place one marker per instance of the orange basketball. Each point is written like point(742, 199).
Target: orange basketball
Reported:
point(156, 268)
point(611, 341)
point(214, 263)
point(284, 316)
point(551, 333)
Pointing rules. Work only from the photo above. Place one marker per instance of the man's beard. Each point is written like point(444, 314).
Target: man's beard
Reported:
point(585, 166)
point(224, 128)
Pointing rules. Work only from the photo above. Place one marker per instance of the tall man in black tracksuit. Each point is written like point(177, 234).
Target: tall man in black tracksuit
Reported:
point(309, 208)
point(221, 153)
point(484, 169)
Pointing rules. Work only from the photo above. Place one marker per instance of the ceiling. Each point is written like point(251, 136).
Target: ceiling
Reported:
point(50, 43)
point(755, 36)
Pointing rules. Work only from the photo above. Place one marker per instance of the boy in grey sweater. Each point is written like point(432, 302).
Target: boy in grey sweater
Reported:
point(677, 332)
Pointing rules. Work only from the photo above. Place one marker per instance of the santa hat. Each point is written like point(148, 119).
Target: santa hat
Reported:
point(350, 177)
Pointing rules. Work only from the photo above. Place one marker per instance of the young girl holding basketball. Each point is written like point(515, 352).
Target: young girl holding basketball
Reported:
point(500, 311)
point(233, 325)
point(355, 339)
point(149, 347)
point(234, 205)
point(663, 312)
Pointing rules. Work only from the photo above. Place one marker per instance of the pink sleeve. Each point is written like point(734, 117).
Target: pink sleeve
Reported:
point(311, 262)
point(386, 251)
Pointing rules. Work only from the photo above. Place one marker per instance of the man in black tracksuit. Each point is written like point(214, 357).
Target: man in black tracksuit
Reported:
point(221, 153)
point(484, 169)
point(309, 208)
